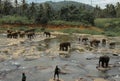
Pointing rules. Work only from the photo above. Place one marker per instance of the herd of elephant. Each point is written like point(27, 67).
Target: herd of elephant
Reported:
point(93, 43)
point(15, 34)
point(103, 60)
point(96, 42)
point(22, 34)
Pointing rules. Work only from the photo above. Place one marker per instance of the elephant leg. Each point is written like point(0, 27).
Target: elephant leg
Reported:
point(63, 48)
point(91, 44)
point(66, 48)
point(106, 64)
point(102, 64)
point(99, 63)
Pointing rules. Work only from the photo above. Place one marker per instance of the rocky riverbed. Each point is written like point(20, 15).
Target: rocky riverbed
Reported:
point(39, 56)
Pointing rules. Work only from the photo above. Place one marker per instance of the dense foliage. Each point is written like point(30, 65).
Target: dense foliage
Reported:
point(42, 13)
point(111, 11)
point(60, 13)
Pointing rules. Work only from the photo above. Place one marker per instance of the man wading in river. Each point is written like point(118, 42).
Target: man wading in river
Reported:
point(23, 77)
point(56, 72)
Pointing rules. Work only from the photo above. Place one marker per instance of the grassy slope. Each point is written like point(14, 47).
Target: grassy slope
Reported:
point(15, 19)
point(111, 26)
point(102, 22)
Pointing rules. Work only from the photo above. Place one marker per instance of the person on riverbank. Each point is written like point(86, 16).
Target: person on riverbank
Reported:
point(56, 72)
point(23, 77)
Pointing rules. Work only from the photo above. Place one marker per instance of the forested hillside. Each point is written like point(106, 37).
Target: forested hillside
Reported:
point(58, 5)
point(60, 13)
point(44, 12)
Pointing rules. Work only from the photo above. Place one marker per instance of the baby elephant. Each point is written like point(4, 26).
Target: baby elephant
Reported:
point(64, 46)
point(104, 61)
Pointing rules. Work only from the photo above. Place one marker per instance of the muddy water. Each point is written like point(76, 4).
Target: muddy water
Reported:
point(77, 65)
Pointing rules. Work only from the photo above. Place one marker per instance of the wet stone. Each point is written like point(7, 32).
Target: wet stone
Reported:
point(56, 80)
point(99, 79)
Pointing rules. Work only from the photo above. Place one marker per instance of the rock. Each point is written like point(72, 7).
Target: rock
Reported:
point(99, 79)
point(115, 54)
point(64, 54)
point(80, 49)
point(31, 57)
point(56, 80)
point(103, 69)
point(81, 79)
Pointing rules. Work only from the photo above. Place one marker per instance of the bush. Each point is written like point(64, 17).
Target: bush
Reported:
point(15, 19)
point(69, 23)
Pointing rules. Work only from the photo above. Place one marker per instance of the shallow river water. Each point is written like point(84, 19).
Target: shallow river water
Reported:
point(76, 65)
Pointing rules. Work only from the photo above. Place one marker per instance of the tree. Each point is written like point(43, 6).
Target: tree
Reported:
point(42, 20)
point(0, 7)
point(16, 6)
point(64, 13)
point(7, 8)
point(97, 11)
point(16, 3)
point(110, 11)
point(31, 11)
point(49, 12)
point(118, 9)
point(87, 17)
point(24, 7)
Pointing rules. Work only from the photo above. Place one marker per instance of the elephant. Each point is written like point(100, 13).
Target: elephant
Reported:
point(95, 43)
point(64, 46)
point(103, 42)
point(22, 34)
point(112, 45)
point(14, 35)
point(30, 35)
point(84, 40)
point(9, 34)
point(104, 61)
point(47, 34)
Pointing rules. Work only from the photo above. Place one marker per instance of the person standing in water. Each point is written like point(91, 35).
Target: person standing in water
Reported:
point(56, 72)
point(23, 77)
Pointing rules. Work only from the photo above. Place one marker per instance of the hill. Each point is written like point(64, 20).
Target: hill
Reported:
point(59, 5)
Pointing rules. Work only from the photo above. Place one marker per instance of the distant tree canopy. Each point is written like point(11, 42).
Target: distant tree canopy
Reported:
point(111, 11)
point(42, 13)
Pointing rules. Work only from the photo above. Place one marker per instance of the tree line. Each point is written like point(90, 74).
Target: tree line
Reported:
point(110, 11)
point(42, 13)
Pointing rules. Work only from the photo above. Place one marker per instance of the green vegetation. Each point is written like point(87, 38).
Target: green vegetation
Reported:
point(69, 23)
point(77, 30)
point(111, 26)
point(62, 13)
point(15, 19)
point(26, 13)
point(105, 22)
